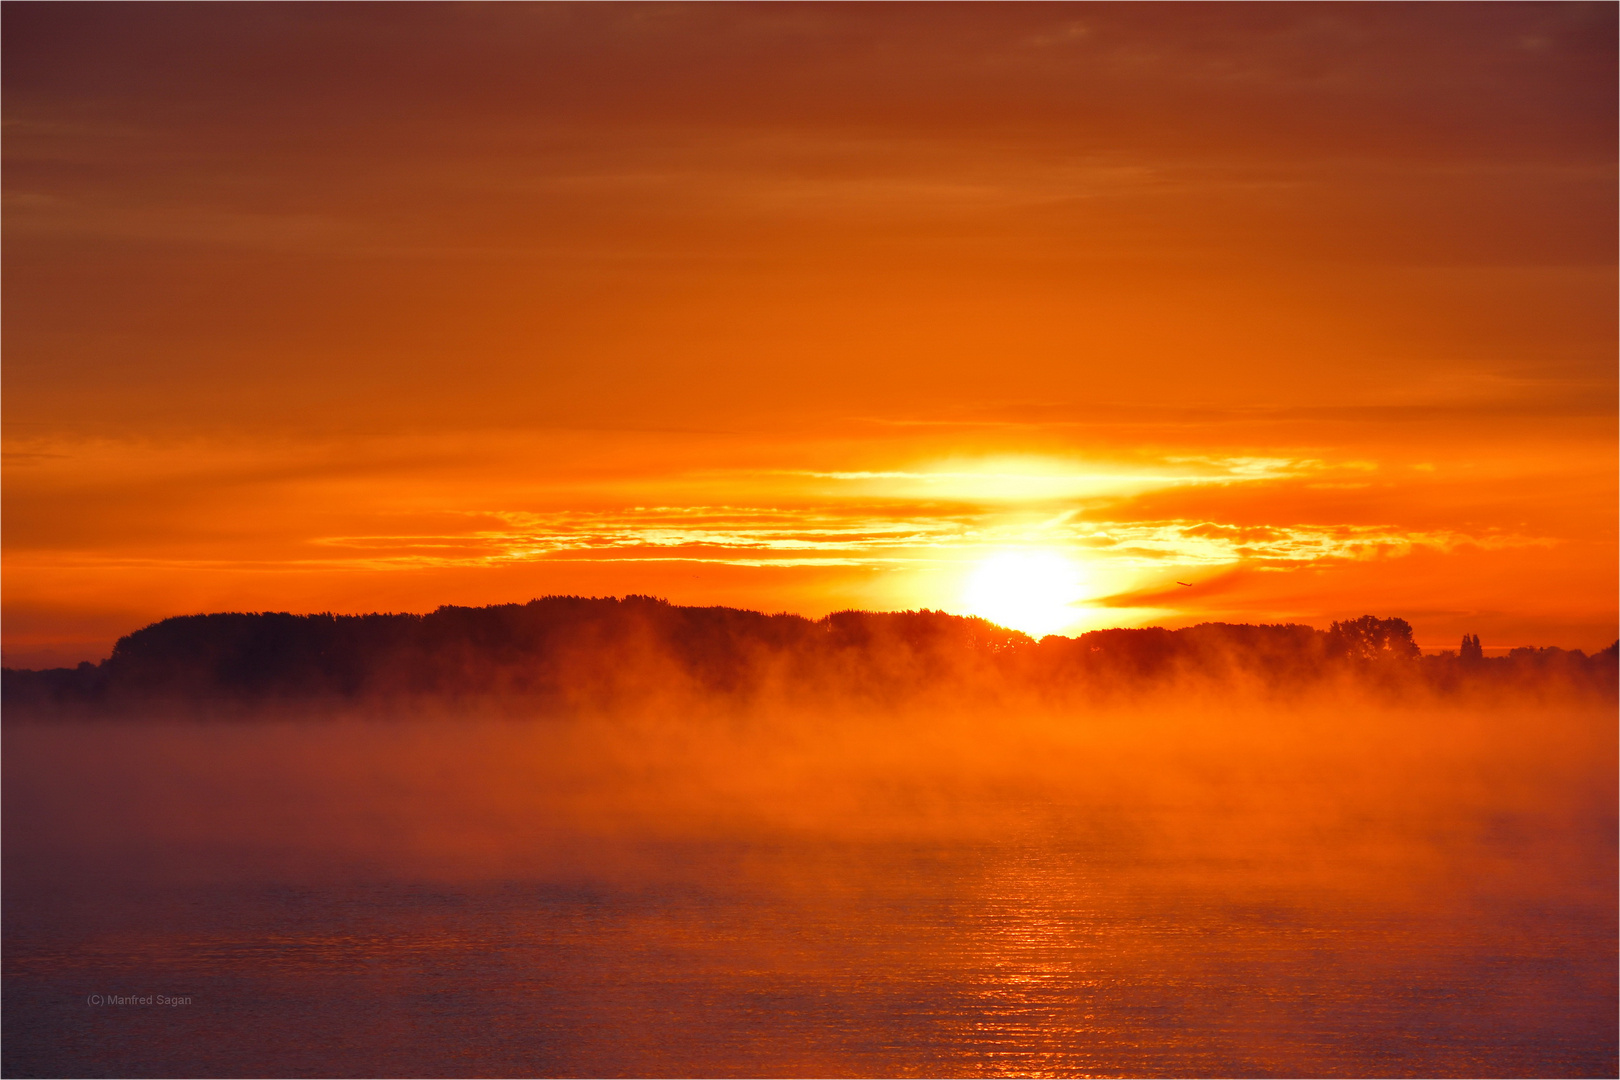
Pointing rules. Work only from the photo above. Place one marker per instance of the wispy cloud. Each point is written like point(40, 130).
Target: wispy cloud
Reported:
point(830, 535)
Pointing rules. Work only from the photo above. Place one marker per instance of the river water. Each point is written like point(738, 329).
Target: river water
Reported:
point(1187, 891)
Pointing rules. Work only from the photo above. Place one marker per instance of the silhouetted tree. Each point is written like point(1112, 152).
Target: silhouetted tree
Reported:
point(1372, 638)
point(1471, 651)
point(563, 654)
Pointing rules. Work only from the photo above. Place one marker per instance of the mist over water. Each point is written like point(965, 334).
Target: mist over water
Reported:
point(1181, 884)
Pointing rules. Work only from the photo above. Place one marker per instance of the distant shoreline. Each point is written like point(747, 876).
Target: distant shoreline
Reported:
point(566, 654)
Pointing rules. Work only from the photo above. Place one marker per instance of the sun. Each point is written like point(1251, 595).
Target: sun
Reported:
point(1032, 591)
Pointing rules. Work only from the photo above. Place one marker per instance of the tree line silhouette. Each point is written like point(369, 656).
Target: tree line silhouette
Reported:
point(576, 653)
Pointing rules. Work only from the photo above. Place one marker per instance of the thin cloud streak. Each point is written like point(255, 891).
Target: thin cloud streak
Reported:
point(754, 537)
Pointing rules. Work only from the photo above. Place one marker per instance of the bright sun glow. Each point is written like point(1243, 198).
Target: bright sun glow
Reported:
point(1032, 591)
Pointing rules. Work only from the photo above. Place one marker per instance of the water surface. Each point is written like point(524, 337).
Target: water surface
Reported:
point(1188, 891)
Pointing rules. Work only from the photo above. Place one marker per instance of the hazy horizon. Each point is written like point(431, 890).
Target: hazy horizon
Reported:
point(1426, 648)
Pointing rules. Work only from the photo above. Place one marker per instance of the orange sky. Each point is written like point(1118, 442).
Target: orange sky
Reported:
point(789, 307)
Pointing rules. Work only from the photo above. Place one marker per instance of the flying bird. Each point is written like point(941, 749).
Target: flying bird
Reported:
point(1186, 583)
